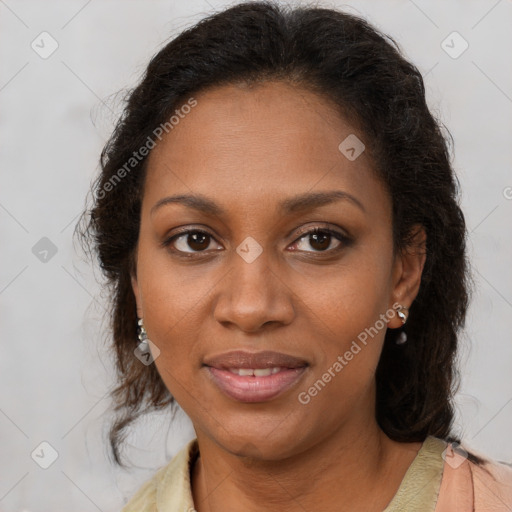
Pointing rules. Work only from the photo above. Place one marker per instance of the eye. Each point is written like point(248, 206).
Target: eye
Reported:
point(194, 239)
point(321, 239)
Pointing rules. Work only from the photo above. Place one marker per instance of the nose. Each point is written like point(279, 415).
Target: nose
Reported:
point(253, 295)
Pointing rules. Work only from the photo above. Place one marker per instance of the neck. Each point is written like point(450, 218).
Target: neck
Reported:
point(349, 470)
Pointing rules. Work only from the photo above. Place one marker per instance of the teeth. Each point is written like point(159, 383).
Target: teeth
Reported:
point(258, 372)
point(263, 373)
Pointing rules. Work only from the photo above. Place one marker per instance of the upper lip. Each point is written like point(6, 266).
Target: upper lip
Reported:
point(255, 360)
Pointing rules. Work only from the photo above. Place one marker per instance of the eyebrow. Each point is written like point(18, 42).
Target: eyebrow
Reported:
point(296, 204)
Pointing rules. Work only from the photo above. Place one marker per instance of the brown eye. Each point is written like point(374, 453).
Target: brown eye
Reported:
point(190, 241)
point(198, 241)
point(320, 239)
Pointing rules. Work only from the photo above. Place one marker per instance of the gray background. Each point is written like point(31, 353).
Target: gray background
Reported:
point(55, 115)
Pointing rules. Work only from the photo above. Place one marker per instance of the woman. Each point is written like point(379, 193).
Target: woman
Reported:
point(278, 219)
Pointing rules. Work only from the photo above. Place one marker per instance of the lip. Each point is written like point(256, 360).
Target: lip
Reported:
point(263, 359)
point(252, 388)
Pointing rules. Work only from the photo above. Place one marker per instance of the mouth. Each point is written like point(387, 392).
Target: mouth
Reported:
point(255, 377)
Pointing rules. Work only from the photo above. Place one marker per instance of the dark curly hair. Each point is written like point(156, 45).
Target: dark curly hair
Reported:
point(362, 73)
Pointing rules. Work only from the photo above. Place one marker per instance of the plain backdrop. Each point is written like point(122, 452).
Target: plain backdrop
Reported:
point(55, 116)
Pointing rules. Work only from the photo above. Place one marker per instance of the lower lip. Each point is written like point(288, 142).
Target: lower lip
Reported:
point(255, 389)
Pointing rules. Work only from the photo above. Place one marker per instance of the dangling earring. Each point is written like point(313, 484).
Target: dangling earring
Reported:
point(142, 335)
point(402, 337)
point(146, 351)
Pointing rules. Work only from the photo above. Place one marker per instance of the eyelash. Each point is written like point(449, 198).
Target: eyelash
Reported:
point(343, 239)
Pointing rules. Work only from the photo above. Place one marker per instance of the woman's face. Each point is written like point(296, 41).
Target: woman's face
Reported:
point(251, 165)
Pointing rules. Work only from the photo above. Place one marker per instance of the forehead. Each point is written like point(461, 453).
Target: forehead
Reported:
point(256, 145)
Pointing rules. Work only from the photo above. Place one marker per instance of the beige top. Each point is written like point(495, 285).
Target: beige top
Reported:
point(429, 485)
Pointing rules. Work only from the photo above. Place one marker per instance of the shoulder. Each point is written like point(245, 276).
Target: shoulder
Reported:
point(492, 485)
point(169, 485)
point(144, 500)
point(466, 485)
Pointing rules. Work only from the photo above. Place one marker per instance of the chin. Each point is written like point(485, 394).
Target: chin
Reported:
point(261, 446)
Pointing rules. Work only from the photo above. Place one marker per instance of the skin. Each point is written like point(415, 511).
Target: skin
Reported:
point(248, 149)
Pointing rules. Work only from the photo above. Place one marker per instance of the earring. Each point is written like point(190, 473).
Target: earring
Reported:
point(401, 314)
point(142, 335)
point(146, 351)
point(402, 337)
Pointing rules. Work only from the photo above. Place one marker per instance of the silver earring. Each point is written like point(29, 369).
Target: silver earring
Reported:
point(401, 314)
point(142, 335)
point(146, 351)
point(402, 337)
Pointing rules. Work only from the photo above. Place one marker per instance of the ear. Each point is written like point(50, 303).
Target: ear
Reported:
point(407, 271)
point(136, 293)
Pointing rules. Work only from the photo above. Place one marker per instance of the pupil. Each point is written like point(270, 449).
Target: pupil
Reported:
point(325, 237)
point(199, 244)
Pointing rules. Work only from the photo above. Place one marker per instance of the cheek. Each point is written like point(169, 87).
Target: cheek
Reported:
point(174, 307)
point(351, 297)
point(350, 309)
point(172, 296)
